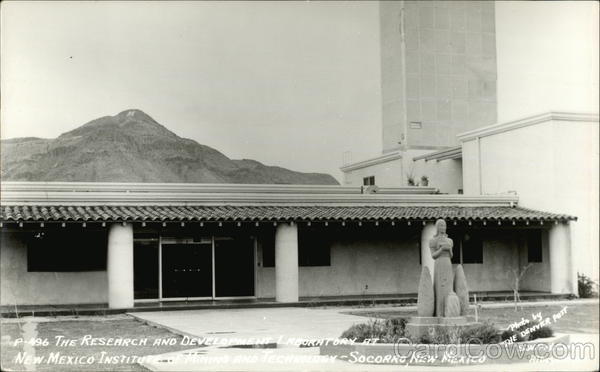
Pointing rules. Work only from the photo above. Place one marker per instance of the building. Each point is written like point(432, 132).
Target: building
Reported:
point(74, 243)
point(438, 79)
point(438, 72)
point(548, 156)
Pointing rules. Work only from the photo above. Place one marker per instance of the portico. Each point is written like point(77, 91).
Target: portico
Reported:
point(177, 242)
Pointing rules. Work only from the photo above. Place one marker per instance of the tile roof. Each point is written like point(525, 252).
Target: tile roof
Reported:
point(25, 213)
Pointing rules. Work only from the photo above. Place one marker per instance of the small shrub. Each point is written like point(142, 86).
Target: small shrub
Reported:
point(509, 333)
point(487, 333)
point(543, 332)
point(386, 331)
point(424, 339)
point(396, 325)
point(424, 180)
point(360, 332)
point(586, 286)
point(444, 336)
point(540, 332)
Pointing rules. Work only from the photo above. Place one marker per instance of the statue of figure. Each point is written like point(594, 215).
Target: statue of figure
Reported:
point(441, 251)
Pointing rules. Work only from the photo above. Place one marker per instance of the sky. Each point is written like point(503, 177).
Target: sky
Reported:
point(547, 57)
point(294, 84)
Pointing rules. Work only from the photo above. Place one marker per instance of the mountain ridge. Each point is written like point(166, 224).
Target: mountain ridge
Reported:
point(133, 147)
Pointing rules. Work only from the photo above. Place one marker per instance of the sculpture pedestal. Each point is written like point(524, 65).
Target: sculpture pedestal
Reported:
point(420, 326)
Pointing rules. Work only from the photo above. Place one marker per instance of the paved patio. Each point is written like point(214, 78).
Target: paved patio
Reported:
point(281, 325)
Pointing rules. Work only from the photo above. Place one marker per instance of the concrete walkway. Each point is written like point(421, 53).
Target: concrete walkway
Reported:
point(287, 327)
point(281, 325)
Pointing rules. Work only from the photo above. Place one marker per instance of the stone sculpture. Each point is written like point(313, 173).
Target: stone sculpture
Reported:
point(442, 303)
point(451, 306)
point(461, 289)
point(425, 299)
point(443, 281)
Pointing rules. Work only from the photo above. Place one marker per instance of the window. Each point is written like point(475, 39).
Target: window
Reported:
point(468, 247)
point(314, 248)
point(472, 248)
point(267, 244)
point(369, 181)
point(67, 251)
point(534, 246)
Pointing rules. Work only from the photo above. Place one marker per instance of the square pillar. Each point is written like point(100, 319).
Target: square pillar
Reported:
point(286, 263)
point(119, 266)
point(561, 266)
point(426, 235)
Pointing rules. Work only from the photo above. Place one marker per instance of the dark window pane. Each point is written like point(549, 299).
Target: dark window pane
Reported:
point(314, 248)
point(267, 244)
point(67, 251)
point(534, 246)
point(145, 269)
point(472, 248)
point(368, 181)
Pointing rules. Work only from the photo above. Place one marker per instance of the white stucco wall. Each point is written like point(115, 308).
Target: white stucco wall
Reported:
point(41, 288)
point(552, 166)
point(381, 263)
point(504, 252)
point(361, 264)
point(445, 175)
point(387, 174)
point(547, 57)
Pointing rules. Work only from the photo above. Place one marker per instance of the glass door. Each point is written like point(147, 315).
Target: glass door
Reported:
point(187, 270)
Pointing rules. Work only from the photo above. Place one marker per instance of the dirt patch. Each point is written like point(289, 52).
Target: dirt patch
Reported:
point(83, 339)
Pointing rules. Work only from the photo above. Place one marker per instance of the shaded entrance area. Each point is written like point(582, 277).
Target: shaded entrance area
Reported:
point(182, 269)
point(187, 270)
point(234, 267)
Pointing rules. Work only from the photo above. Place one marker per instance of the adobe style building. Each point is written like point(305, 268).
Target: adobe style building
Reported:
point(122, 244)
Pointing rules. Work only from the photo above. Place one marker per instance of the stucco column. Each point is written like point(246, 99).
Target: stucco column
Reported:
point(120, 266)
point(559, 241)
point(426, 235)
point(286, 263)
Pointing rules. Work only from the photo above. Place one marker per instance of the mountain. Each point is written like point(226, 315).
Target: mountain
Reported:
point(133, 147)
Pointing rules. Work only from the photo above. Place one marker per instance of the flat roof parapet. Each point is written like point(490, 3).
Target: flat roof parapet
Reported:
point(65, 193)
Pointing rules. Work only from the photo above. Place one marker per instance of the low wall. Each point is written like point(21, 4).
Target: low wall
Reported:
point(444, 355)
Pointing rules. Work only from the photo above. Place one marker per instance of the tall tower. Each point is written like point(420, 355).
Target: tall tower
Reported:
point(438, 71)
